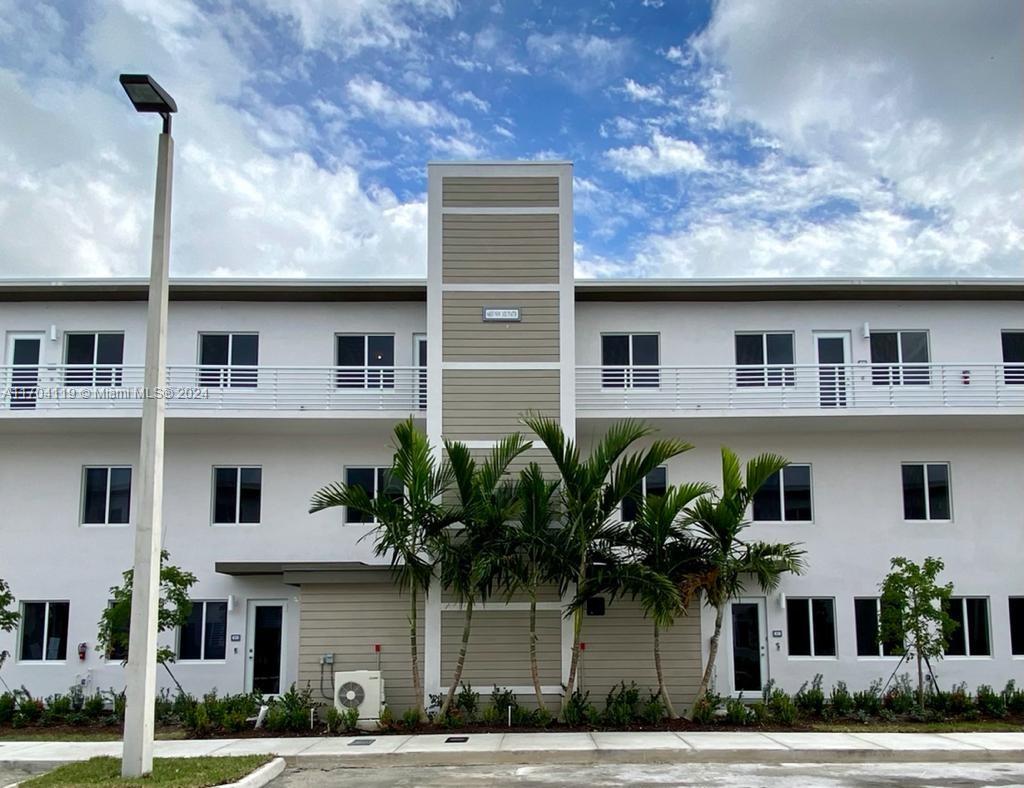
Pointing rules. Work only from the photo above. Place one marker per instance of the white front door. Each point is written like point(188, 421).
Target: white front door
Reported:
point(265, 646)
point(24, 354)
point(748, 646)
point(832, 349)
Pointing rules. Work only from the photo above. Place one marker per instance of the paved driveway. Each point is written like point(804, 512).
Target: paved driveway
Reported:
point(889, 775)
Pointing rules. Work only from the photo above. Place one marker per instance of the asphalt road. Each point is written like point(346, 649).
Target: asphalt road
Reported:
point(889, 775)
point(13, 774)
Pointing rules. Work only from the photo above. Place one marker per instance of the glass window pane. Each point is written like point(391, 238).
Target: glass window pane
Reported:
point(780, 348)
point(645, 350)
point(767, 504)
point(938, 491)
point(824, 614)
point(216, 630)
point(213, 349)
point(120, 495)
point(364, 477)
point(57, 630)
point(749, 349)
point(884, 348)
point(914, 345)
point(889, 647)
point(245, 349)
point(656, 481)
point(110, 349)
point(351, 351)
point(225, 494)
point(799, 625)
point(615, 350)
point(797, 491)
point(1013, 347)
point(190, 641)
point(119, 633)
point(1017, 626)
point(631, 504)
point(249, 496)
point(977, 627)
point(94, 504)
point(381, 351)
point(913, 492)
point(865, 612)
point(81, 349)
point(956, 643)
point(33, 618)
point(388, 485)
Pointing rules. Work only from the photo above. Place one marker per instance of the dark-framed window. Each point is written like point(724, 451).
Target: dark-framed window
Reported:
point(93, 359)
point(44, 631)
point(376, 481)
point(204, 635)
point(785, 497)
point(972, 637)
point(106, 495)
point(1013, 357)
point(1017, 626)
point(624, 358)
point(228, 360)
point(764, 358)
point(867, 614)
point(237, 493)
point(365, 361)
point(926, 491)
point(653, 483)
point(812, 626)
point(900, 358)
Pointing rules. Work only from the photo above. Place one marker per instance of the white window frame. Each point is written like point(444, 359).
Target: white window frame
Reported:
point(628, 372)
point(927, 498)
point(202, 643)
point(238, 495)
point(787, 372)
point(643, 490)
point(46, 631)
point(897, 370)
point(810, 630)
point(962, 600)
point(224, 371)
point(782, 499)
point(106, 503)
point(382, 381)
point(376, 474)
point(111, 370)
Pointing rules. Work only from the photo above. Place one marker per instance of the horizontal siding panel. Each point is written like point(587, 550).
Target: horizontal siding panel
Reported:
point(499, 647)
point(467, 337)
point(480, 404)
point(500, 249)
point(527, 191)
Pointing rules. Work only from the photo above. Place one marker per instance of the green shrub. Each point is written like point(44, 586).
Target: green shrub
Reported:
point(117, 702)
point(810, 701)
point(341, 721)
point(653, 711)
point(387, 719)
point(58, 708)
point(704, 710)
point(578, 710)
point(901, 699)
point(990, 703)
point(868, 703)
point(542, 718)
point(759, 712)
point(8, 705)
point(840, 701)
point(960, 702)
point(94, 706)
point(411, 719)
point(1013, 698)
point(523, 717)
point(736, 711)
point(491, 716)
point(163, 708)
point(29, 712)
point(621, 707)
point(290, 711)
point(467, 702)
point(781, 707)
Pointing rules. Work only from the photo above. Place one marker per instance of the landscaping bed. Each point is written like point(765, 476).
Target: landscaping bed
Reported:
point(104, 772)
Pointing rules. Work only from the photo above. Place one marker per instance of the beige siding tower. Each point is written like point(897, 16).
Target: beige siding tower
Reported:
point(500, 330)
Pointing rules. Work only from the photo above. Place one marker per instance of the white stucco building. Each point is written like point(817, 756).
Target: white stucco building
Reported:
point(900, 403)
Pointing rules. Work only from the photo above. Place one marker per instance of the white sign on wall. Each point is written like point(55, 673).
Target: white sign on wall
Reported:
point(502, 314)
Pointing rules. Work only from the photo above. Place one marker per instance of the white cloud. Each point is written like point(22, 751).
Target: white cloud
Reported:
point(581, 60)
point(638, 92)
point(664, 156)
point(470, 98)
point(391, 109)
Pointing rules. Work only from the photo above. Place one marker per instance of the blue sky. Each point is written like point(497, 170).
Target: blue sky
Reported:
point(736, 138)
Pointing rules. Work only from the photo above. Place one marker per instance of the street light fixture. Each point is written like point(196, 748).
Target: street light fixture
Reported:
point(148, 96)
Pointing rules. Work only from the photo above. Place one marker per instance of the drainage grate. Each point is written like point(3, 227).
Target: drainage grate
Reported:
point(360, 742)
point(456, 740)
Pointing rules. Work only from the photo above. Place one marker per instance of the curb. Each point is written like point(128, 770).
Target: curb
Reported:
point(260, 777)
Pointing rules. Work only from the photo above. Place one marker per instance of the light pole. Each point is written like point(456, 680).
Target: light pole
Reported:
point(148, 96)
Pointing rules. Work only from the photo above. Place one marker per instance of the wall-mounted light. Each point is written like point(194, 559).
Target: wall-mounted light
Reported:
point(231, 602)
point(53, 332)
point(782, 600)
point(866, 330)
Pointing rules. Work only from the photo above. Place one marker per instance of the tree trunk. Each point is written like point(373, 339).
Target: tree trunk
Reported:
point(534, 668)
point(577, 628)
point(467, 623)
point(662, 689)
point(174, 678)
point(920, 682)
point(417, 682)
point(705, 680)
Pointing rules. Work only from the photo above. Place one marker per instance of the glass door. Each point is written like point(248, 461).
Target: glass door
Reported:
point(265, 646)
point(419, 350)
point(833, 351)
point(749, 649)
point(24, 354)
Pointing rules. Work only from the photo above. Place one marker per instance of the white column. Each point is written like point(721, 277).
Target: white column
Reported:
point(432, 641)
point(141, 673)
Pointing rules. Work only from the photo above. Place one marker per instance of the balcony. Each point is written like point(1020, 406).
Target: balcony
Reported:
point(807, 389)
point(58, 389)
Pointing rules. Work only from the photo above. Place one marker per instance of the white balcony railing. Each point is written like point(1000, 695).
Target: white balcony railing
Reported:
point(199, 388)
point(811, 387)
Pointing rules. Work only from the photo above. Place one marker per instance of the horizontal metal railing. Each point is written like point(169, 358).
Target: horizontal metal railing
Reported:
point(689, 389)
point(209, 387)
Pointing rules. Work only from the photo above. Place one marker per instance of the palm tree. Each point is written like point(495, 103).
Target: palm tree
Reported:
point(655, 559)
point(408, 517)
point(591, 491)
point(472, 559)
point(532, 550)
point(718, 522)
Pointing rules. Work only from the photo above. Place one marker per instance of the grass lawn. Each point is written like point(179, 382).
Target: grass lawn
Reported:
point(77, 734)
point(167, 772)
point(961, 726)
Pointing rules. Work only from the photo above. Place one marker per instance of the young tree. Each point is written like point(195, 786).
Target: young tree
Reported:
point(8, 616)
point(532, 550)
point(173, 611)
point(718, 522)
point(407, 517)
point(471, 559)
point(654, 558)
point(914, 616)
point(591, 491)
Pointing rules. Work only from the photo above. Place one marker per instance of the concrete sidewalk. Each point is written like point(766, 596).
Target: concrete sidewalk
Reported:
point(567, 748)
